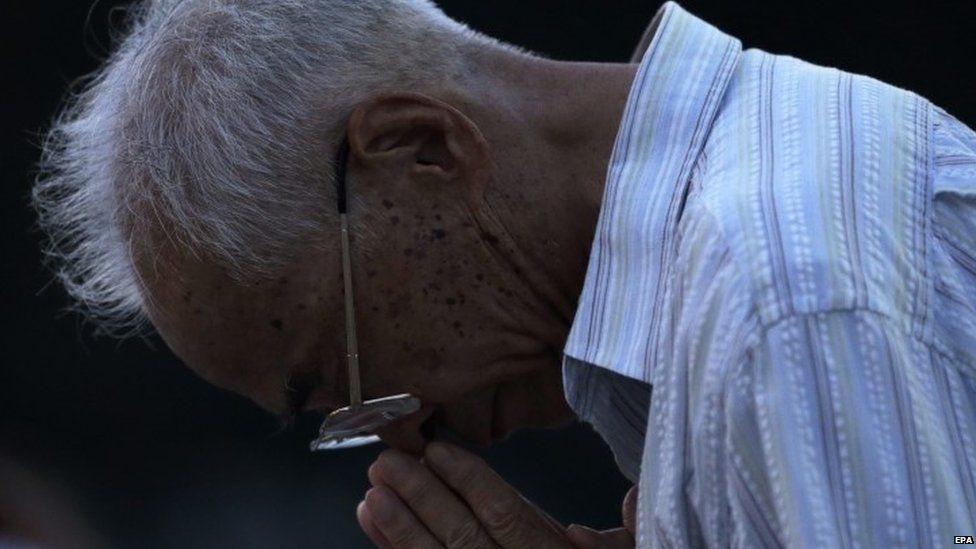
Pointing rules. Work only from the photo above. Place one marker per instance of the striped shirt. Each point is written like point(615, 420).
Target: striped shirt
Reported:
point(786, 254)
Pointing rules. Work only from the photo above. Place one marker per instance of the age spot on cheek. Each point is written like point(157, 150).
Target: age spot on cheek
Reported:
point(387, 204)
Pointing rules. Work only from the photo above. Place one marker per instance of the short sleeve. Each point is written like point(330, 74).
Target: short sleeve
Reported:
point(954, 146)
point(615, 405)
point(953, 255)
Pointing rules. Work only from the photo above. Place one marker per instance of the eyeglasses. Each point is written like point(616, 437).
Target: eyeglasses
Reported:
point(354, 425)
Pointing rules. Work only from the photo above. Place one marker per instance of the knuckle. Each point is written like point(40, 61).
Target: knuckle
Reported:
point(402, 534)
point(502, 520)
point(464, 535)
point(402, 538)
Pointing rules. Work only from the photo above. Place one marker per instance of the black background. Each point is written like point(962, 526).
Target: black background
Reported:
point(154, 457)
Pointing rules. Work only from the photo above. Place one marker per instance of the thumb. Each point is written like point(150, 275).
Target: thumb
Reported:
point(587, 538)
point(629, 511)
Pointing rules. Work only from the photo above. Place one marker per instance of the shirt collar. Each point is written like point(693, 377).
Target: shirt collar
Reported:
point(685, 67)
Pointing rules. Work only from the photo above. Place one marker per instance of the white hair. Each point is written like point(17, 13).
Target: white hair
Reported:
point(213, 122)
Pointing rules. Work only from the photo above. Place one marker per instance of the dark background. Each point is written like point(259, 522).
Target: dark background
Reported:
point(152, 456)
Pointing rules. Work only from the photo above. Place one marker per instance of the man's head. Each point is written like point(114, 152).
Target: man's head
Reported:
point(191, 183)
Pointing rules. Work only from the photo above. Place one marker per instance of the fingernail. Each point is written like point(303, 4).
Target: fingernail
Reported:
point(583, 536)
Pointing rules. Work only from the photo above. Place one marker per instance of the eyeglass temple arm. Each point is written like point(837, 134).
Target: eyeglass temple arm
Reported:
point(352, 350)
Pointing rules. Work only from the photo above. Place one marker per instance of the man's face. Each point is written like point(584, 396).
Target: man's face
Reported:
point(438, 313)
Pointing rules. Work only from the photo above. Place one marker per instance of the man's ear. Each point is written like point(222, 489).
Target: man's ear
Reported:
point(424, 137)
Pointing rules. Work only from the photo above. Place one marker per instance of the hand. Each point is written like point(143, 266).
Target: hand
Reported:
point(450, 499)
point(617, 538)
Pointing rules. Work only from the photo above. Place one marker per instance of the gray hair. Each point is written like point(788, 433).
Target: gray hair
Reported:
point(212, 122)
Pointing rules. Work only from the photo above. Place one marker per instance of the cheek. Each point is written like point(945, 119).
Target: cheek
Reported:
point(415, 313)
point(420, 269)
point(416, 358)
point(418, 316)
point(544, 398)
point(414, 341)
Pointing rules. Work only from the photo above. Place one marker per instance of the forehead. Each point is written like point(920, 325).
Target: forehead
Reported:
point(248, 337)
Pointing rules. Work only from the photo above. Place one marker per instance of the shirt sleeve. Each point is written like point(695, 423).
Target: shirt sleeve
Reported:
point(953, 253)
point(614, 405)
point(843, 430)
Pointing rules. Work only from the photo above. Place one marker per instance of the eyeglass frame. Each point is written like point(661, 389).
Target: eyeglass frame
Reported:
point(352, 343)
point(390, 408)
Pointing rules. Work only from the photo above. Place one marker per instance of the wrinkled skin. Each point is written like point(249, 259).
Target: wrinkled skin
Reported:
point(472, 211)
point(480, 210)
point(451, 498)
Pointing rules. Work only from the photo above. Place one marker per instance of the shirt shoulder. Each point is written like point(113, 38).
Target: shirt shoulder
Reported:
point(820, 181)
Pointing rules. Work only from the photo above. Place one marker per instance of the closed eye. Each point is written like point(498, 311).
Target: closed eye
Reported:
point(299, 387)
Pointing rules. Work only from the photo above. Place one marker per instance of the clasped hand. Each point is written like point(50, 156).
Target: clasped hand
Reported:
point(452, 499)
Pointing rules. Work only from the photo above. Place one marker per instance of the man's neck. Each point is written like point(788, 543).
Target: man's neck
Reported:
point(551, 127)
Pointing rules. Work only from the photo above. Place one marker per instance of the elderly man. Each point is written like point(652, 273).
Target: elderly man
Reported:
point(784, 253)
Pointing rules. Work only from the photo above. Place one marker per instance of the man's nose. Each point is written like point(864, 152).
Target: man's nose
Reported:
point(407, 434)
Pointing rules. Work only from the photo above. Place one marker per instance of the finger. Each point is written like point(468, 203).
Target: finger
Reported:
point(369, 527)
point(587, 538)
point(507, 517)
point(444, 514)
point(396, 522)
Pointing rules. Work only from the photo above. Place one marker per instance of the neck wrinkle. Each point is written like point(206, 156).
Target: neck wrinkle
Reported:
point(551, 126)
